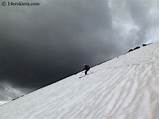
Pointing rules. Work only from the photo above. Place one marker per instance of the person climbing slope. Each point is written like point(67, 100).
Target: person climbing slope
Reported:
point(86, 68)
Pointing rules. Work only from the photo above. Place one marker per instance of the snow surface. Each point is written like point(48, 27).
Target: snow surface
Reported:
point(3, 102)
point(123, 88)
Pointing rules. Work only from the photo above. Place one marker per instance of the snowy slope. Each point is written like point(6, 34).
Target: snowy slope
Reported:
point(123, 88)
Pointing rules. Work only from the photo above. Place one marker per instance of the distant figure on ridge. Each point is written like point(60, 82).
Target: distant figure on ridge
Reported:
point(145, 44)
point(130, 50)
point(86, 68)
point(136, 48)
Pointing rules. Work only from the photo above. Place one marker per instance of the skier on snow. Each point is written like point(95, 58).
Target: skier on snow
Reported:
point(86, 68)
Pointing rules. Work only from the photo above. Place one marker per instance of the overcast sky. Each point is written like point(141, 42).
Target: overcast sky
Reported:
point(40, 45)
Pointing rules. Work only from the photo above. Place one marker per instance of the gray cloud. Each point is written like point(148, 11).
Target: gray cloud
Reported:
point(8, 91)
point(135, 21)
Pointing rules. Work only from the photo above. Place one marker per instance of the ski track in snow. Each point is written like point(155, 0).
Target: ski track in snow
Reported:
point(122, 88)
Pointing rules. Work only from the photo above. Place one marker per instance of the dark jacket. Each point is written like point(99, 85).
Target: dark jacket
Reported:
point(86, 67)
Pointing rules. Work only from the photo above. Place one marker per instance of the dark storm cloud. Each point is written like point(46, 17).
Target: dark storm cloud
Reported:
point(48, 43)
point(40, 45)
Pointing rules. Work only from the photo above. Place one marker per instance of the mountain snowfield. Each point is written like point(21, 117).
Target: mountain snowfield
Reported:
point(125, 87)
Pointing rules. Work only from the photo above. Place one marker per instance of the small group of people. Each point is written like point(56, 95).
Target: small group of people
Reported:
point(137, 47)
